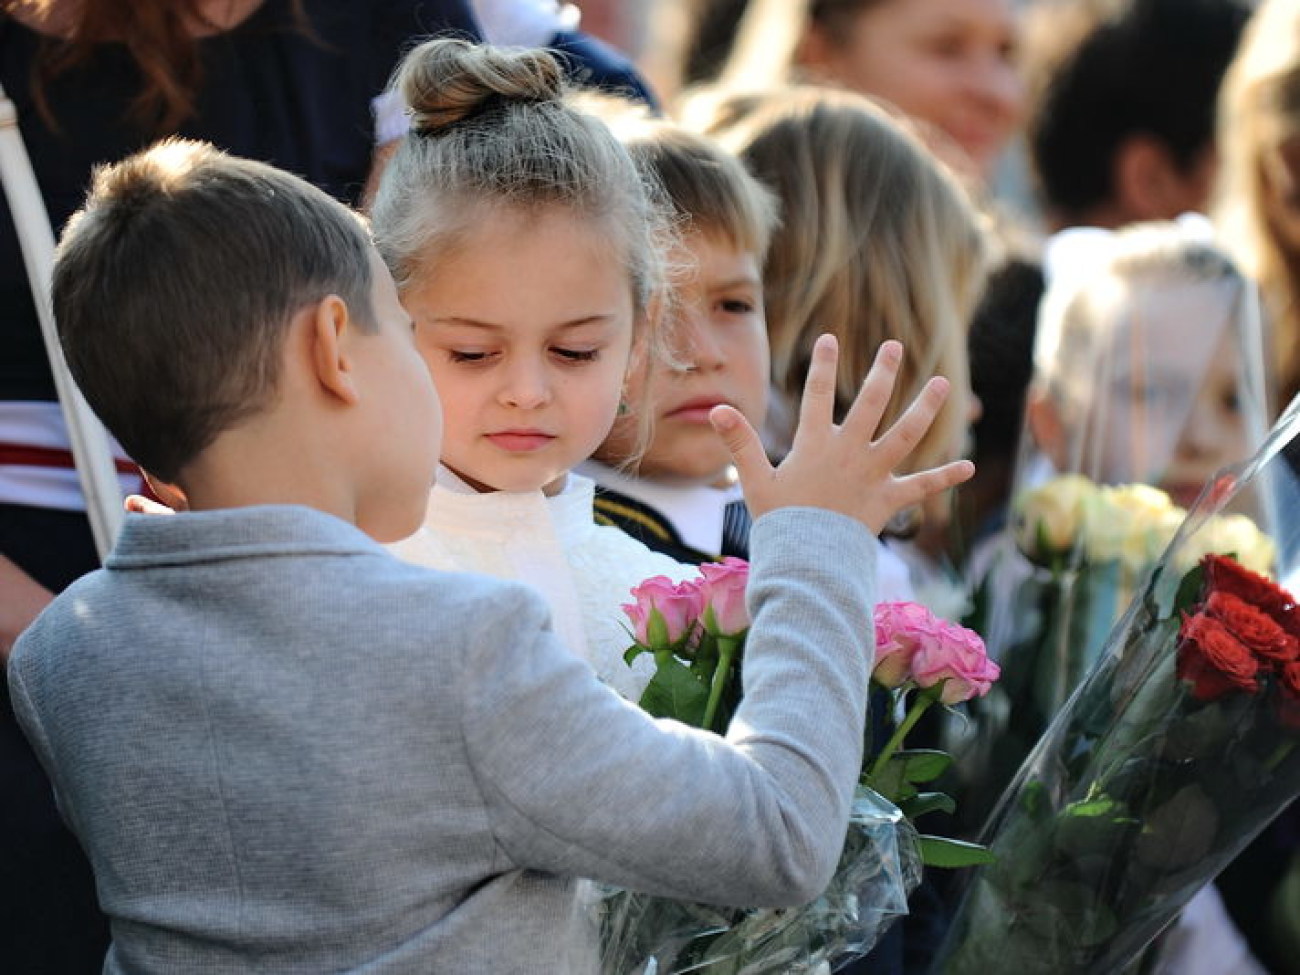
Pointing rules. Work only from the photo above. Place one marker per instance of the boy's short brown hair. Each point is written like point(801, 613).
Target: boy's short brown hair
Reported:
point(175, 284)
point(707, 186)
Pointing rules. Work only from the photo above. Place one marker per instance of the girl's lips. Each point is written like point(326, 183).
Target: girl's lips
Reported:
point(520, 441)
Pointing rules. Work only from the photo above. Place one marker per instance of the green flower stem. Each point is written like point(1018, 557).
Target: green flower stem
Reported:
point(920, 704)
point(727, 647)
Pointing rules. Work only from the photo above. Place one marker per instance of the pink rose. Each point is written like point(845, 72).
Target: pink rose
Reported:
point(664, 612)
point(901, 629)
point(723, 590)
point(959, 658)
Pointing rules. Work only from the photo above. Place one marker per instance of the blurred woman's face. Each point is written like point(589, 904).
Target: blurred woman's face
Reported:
point(949, 63)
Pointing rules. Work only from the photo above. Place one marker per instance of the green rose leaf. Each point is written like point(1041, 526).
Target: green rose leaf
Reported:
point(927, 802)
point(939, 851)
point(674, 692)
point(922, 764)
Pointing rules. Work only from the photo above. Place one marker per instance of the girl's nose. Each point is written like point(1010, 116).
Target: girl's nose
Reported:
point(526, 386)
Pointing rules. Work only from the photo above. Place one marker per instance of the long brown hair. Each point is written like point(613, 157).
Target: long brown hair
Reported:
point(159, 35)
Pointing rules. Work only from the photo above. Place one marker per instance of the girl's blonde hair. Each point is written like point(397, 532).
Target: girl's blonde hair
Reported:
point(877, 241)
point(491, 129)
point(1258, 113)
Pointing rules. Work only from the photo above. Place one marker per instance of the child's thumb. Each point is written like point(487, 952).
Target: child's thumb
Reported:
point(742, 441)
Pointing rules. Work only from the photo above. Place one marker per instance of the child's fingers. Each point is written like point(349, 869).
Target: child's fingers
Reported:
point(817, 408)
point(863, 418)
point(901, 439)
point(915, 488)
point(743, 442)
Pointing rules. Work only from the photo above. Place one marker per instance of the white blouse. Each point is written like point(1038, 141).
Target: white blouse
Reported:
point(584, 570)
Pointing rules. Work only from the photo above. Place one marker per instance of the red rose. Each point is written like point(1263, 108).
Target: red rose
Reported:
point(1213, 660)
point(1253, 627)
point(1224, 574)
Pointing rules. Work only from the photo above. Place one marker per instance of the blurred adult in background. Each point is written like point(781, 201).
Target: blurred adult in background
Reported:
point(291, 82)
point(949, 65)
point(1122, 105)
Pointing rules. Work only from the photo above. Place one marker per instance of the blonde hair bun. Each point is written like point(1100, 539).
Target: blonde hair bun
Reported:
point(445, 81)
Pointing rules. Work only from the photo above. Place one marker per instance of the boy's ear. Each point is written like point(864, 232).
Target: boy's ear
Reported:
point(169, 494)
point(331, 330)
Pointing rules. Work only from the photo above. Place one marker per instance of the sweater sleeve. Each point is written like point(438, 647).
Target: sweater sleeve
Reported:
point(578, 781)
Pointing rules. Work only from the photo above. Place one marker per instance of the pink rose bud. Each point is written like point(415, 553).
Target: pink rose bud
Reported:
point(723, 590)
point(664, 612)
point(959, 658)
point(901, 629)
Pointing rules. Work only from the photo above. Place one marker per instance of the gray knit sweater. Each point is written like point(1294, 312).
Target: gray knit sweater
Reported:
point(286, 751)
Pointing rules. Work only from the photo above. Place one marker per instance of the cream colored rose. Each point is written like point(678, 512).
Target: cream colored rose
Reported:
point(1131, 525)
point(1234, 535)
point(1050, 518)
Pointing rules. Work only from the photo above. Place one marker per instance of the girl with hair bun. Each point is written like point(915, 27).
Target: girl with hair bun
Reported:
point(527, 248)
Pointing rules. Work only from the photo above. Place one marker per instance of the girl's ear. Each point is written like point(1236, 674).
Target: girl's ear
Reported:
point(331, 333)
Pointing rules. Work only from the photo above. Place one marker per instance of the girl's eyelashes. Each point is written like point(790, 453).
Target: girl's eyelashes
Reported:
point(563, 354)
point(458, 355)
point(577, 355)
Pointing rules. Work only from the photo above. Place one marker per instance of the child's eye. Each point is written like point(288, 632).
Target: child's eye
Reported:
point(577, 355)
point(457, 355)
point(737, 306)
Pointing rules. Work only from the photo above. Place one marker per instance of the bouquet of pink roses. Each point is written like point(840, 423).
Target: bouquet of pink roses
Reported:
point(696, 632)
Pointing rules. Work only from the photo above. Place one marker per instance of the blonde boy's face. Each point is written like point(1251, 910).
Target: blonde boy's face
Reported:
point(403, 428)
point(719, 339)
point(527, 329)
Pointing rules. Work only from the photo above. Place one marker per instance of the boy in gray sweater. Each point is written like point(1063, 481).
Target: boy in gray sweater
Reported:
point(282, 749)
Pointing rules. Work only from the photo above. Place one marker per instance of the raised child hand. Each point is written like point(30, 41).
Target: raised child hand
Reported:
point(840, 467)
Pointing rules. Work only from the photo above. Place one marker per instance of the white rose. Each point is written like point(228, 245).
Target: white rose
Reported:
point(1235, 535)
point(1131, 525)
point(1049, 519)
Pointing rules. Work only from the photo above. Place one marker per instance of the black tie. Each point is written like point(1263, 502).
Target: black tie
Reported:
point(735, 530)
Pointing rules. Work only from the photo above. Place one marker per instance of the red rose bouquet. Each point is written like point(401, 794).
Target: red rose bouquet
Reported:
point(1179, 747)
point(1068, 567)
point(696, 632)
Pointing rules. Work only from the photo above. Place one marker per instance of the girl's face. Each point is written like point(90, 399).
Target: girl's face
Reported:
point(720, 344)
point(1175, 415)
point(950, 63)
point(527, 329)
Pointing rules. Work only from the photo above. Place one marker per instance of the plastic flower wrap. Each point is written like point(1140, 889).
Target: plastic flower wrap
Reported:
point(696, 631)
point(1081, 551)
point(1179, 747)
